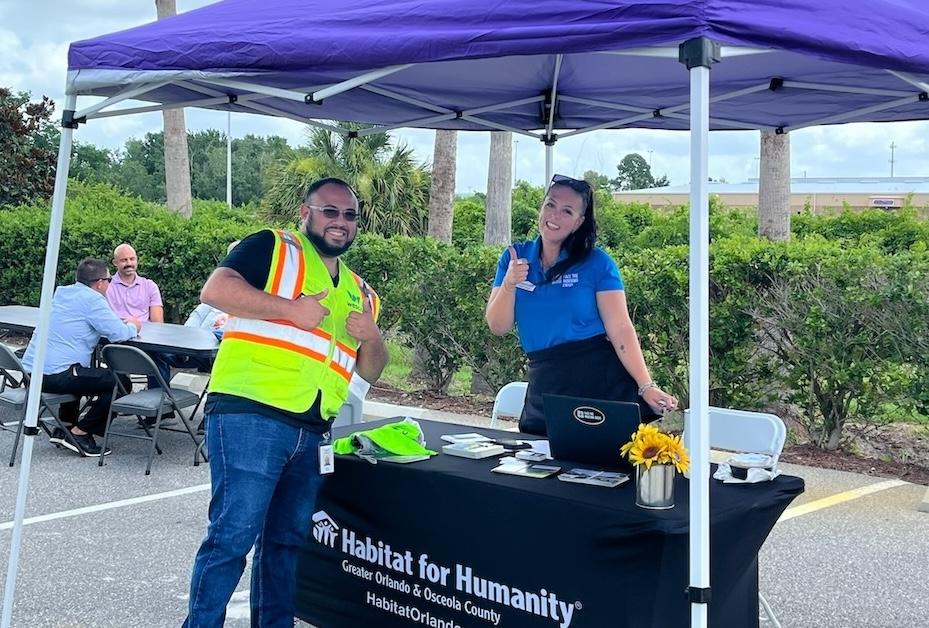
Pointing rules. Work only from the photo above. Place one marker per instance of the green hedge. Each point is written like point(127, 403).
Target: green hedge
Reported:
point(178, 254)
point(833, 324)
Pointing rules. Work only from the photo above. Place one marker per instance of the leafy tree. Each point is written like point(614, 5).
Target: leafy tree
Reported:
point(633, 173)
point(27, 148)
point(597, 181)
point(141, 167)
point(251, 156)
point(392, 186)
point(91, 164)
point(138, 168)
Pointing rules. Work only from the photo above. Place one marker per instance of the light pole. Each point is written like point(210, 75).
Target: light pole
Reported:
point(515, 160)
point(650, 158)
point(892, 147)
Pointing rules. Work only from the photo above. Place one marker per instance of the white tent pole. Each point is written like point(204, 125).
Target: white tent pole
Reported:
point(912, 80)
point(45, 313)
point(126, 94)
point(229, 158)
point(549, 166)
point(699, 429)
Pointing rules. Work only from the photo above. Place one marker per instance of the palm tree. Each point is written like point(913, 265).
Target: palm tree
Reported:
point(497, 224)
point(177, 160)
point(774, 186)
point(391, 185)
point(442, 196)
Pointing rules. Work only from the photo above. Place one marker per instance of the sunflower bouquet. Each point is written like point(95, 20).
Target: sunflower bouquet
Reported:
point(649, 446)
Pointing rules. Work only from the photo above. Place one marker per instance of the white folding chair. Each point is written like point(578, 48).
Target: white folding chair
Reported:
point(509, 401)
point(742, 431)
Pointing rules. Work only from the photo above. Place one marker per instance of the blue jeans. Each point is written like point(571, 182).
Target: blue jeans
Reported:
point(265, 477)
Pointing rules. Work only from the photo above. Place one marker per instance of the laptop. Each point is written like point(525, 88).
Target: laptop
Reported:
point(589, 431)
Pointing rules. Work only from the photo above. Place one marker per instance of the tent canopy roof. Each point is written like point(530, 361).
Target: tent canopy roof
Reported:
point(489, 64)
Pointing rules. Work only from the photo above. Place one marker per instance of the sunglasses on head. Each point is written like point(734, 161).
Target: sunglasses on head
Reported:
point(331, 213)
point(578, 185)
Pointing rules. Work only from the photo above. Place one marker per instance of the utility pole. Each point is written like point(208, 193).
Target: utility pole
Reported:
point(758, 167)
point(892, 147)
point(650, 158)
point(515, 160)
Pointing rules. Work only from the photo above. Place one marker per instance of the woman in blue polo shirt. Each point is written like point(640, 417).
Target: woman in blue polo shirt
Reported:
point(565, 297)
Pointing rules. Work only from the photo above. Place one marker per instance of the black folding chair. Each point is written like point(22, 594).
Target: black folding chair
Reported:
point(154, 402)
point(14, 395)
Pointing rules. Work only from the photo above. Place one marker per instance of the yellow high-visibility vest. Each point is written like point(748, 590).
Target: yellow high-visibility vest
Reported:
point(284, 366)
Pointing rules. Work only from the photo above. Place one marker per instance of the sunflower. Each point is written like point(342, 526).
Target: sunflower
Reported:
point(648, 448)
point(640, 433)
point(677, 454)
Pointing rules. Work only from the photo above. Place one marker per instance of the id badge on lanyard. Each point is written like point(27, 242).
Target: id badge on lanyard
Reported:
point(326, 455)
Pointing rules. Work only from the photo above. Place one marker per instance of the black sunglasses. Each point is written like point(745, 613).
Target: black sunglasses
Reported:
point(331, 213)
point(578, 185)
point(106, 279)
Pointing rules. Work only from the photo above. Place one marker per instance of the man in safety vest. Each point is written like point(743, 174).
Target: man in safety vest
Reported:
point(300, 323)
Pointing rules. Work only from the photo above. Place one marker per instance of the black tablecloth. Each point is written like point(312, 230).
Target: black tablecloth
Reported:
point(508, 551)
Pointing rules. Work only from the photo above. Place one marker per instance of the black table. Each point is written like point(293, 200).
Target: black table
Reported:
point(402, 545)
point(165, 337)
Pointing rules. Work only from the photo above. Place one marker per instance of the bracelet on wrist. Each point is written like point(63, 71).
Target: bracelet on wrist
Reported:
point(646, 386)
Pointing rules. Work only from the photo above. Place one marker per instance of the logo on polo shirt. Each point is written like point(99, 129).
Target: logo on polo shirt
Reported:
point(568, 280)
point(325, 530)
point(589, 416)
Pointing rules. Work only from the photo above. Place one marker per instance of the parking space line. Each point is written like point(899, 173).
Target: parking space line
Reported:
point(108, 506)
point(839, 498)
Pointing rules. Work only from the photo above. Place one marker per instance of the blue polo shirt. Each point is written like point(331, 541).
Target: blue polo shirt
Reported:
point(564, 310)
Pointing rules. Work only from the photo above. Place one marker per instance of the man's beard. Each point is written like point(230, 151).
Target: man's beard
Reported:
point(324, 247)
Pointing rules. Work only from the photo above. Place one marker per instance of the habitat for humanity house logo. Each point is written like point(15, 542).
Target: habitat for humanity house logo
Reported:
point(451, 587)
point(325, 530)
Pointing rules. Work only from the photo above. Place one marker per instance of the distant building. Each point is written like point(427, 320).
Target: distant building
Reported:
point(821, 194)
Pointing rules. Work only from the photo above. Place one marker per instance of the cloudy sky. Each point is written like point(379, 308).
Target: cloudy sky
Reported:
point(35, 34)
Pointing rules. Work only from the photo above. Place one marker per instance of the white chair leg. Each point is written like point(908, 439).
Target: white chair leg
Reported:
point(767, 611)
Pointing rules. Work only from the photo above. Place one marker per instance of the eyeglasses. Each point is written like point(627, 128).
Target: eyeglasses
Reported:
point(578, 185)
point(106, 279)
point(331, 213)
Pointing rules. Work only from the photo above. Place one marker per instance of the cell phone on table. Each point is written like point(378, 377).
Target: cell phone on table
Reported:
point(512, 443)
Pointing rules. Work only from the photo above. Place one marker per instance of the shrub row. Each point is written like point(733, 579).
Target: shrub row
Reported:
point(834, 324)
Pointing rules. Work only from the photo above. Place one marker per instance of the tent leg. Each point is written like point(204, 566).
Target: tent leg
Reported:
point(35, 387)
point(699, 344)
point(229, 158)
point(549, 167)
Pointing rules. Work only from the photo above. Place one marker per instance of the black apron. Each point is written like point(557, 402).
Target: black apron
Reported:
point(585, 368)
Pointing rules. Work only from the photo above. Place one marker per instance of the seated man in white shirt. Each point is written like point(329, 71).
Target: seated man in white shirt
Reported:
point(80, 317)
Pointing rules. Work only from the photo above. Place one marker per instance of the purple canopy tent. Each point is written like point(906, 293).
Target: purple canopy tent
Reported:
point(533, 67)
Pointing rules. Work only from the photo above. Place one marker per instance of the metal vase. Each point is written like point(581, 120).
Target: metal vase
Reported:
point(654, 487)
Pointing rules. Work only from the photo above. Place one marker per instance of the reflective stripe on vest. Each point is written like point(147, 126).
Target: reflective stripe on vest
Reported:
point(288, 266)
point(313, 344)
point(373, 300)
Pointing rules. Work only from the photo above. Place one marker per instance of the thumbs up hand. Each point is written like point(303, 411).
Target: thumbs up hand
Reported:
point(308, 311)
point(361, 325)
point(517, 271)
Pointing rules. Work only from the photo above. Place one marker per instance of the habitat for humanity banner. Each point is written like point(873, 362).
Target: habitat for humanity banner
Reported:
point(408, 584)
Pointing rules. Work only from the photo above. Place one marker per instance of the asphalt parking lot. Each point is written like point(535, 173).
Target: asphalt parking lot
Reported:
point(110, 547)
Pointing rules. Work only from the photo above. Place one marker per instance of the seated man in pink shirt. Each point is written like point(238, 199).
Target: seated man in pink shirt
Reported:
point(133, 296)
point(130, 294)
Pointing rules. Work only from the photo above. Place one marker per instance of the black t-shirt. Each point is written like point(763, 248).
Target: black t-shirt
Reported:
point(251, 258)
